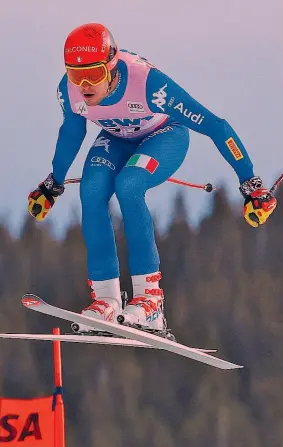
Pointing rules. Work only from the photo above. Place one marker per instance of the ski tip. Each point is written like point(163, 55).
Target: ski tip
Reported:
point(30, 300)
point(233, 366)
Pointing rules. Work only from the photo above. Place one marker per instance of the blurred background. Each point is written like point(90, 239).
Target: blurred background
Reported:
point(222, 279)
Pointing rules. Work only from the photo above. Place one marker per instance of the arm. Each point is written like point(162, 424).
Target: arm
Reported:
point(165, 96)
point(70, 137)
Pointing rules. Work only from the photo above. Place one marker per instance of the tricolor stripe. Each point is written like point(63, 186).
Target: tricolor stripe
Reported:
point(143, 161)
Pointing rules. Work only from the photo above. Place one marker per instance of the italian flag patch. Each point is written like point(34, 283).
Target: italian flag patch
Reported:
point(143, 161)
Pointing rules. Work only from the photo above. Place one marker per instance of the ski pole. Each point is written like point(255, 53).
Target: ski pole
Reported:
point(276, 184)
point(208, 187)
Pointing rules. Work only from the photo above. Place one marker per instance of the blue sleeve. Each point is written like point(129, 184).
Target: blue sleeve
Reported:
point(165, 96)
point(70, 137)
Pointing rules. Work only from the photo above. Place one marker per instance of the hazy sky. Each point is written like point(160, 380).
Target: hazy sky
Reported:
point(226, 54)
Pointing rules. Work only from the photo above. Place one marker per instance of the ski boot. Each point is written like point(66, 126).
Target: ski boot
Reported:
point(107, 304)
point(146, 310)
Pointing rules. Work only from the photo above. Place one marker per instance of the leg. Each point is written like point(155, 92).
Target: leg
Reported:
point(104, 161)
point(161, 155)
point(169, 149)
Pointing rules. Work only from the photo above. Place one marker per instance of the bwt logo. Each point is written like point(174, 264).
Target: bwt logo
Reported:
point(30, 428)
point(116, 125)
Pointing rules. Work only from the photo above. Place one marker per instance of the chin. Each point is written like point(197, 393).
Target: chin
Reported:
point(92, 101)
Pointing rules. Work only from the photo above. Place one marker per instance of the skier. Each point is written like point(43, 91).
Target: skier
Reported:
point(145, 119)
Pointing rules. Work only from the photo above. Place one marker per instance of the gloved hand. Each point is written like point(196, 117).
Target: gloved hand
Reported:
point(259, 201)
point(43, 198)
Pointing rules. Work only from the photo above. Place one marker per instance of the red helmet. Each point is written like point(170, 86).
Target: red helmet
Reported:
point(90, 54)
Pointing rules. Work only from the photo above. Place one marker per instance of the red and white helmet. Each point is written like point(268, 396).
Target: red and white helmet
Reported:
point(90, 54)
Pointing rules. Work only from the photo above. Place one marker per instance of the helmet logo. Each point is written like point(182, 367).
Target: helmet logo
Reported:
point(104, 41)
point(80, 49)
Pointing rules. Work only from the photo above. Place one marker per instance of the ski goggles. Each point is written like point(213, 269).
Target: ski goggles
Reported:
point(93, 74)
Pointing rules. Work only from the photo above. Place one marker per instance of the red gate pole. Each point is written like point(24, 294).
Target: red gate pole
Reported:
point(59, 418)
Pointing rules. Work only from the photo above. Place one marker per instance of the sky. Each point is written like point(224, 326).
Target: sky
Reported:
point(226, 54)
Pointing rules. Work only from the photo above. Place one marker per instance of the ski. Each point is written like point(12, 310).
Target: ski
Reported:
point(92, 339)
point(35, 303)
point(73, 338)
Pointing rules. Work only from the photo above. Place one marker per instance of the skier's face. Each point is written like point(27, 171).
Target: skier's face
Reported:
point(94, 94)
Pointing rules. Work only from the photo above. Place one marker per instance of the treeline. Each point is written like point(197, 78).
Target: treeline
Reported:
point(223, 287)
